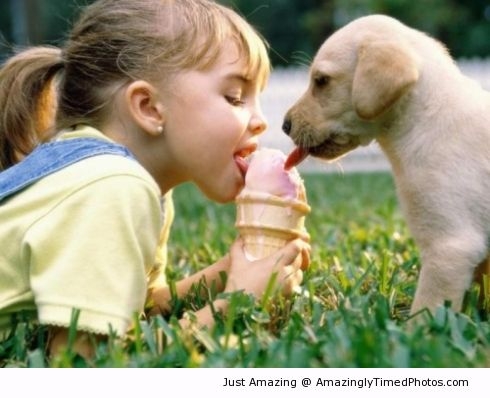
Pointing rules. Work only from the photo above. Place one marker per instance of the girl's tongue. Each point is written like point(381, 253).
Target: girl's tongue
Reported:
point(242, 165)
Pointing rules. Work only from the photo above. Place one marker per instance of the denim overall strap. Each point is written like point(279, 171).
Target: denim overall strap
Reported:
point(51, 157)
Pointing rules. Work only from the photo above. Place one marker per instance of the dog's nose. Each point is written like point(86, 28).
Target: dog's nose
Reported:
point(286, 125)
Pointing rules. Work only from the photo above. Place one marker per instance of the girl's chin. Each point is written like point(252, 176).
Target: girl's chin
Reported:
point(224, 193)
point(229, 195)
point(223, 199)
point(224, 187)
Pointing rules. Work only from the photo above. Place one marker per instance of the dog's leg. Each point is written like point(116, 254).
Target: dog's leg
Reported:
point(448, 266)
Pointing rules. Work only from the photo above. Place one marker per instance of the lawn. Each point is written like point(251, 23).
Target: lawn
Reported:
point(350, 312)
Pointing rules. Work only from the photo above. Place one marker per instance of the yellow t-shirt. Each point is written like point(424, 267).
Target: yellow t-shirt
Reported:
point(84, 237)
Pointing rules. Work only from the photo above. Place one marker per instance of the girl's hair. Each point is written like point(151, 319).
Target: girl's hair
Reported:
point(27, 101)
point(114, 42)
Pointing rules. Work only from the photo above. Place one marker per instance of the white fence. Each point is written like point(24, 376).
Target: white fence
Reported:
point(287, 85)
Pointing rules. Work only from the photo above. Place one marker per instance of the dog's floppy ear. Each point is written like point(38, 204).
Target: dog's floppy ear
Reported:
point(385, 71)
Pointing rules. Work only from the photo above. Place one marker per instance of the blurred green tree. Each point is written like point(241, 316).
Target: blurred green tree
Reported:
point(293, 28)
point(296, 28)
point(33, 22)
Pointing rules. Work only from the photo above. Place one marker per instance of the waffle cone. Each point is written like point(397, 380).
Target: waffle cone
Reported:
point(266, 223)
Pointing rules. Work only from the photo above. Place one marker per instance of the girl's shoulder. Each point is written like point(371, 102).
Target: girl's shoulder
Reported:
point(103, 170)
point(102, 166)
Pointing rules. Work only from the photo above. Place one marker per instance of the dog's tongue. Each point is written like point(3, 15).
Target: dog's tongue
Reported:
point(295, 157)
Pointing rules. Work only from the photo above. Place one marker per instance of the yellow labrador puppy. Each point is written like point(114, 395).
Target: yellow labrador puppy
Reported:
point(378, 79)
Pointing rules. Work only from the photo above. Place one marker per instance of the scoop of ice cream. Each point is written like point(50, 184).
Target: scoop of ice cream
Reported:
point(266, 174)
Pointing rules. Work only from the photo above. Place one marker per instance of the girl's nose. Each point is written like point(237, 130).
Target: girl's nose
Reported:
point(258, 123)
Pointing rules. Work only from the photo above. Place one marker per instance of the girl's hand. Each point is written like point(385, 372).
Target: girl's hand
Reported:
point(286, 265)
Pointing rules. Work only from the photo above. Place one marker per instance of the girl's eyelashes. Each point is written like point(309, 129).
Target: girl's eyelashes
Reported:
point(234, 100)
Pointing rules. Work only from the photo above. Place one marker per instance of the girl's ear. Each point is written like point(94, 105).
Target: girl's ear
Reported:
point(144, 107)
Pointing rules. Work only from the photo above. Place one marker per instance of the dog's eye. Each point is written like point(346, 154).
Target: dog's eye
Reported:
point(321, 80)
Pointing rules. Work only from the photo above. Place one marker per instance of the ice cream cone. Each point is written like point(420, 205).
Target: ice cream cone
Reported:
point(266, 222)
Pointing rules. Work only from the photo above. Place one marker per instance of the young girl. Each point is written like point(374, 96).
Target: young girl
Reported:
point(144, 96)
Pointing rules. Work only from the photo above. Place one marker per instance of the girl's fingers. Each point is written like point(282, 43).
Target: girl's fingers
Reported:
point(236, 251)
point(305, 259)
point(252, 276)
point(289, 254)
point(292, 279)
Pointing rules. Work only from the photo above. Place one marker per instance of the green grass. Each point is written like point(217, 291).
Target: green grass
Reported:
point(351, 310)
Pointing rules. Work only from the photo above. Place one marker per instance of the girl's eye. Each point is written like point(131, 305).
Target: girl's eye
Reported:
point(235, 101)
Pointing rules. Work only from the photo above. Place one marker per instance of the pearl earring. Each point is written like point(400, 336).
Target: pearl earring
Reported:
point(160, 129)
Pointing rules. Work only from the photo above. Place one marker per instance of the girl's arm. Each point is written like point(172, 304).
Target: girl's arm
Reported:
point(161, 296)
point(242, 275)
point(84, 343)
point(251, 277)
